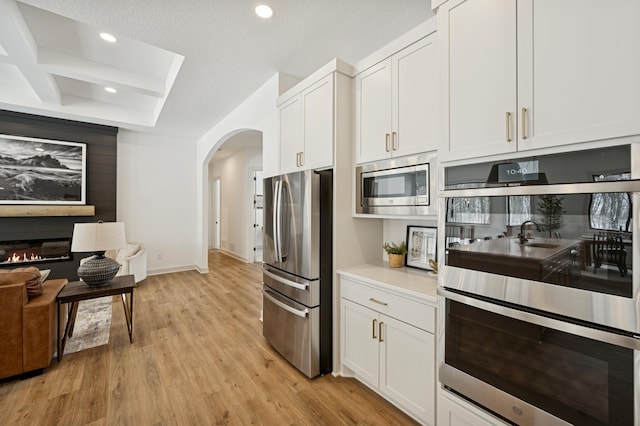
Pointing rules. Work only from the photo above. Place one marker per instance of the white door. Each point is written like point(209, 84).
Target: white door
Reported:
point(373, 113)
point(415, 90)
point(407, 360)
point(216, 214)
point(360, 328)
point(257, 215)
point(317, 109)
point(290, 134)
point(578, 71)
point(479, 66)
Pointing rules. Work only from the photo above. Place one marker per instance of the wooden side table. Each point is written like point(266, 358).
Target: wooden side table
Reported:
point(76, 291)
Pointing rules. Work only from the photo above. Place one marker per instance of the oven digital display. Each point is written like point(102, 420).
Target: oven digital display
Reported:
point(523, 171)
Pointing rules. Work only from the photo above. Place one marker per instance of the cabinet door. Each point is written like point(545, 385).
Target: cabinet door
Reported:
point(373, 113)
point(578, 71)
point(414, 94)
point(360, 328)
point(317, 107)
point(407, 373)
point(290, 134)
point(479, 78)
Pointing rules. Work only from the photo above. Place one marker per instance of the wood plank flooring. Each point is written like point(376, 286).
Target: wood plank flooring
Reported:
point(198, 358)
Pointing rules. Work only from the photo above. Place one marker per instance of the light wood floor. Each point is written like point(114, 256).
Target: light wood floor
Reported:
point(198, 358)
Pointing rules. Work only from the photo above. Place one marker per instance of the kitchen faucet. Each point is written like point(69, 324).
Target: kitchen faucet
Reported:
point(522, 236)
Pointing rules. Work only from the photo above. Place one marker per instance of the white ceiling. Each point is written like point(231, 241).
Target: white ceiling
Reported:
point(51, 65)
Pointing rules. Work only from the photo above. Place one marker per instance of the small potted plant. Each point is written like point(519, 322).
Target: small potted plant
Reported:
point(396, 253)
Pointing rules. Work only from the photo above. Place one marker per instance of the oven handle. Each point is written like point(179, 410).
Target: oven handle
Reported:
point(285, 281)
point(302, 314)
point(567, 327)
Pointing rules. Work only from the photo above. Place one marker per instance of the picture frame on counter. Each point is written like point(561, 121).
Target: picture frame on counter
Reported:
point(421, 246)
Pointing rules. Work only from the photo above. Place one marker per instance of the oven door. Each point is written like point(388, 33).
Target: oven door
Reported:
point(537, 370)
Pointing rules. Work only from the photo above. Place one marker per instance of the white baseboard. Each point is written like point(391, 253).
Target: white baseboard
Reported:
point(170, 270)
point(234, 255)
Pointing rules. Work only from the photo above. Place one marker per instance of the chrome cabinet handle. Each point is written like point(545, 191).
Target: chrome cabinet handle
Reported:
point(386, 142)
point(523, 121)
point(302, 314)
point(394, 138)
point(508, 129)
point(380, 331)
point(301, 159)
point(379, 302)
point(373, 329)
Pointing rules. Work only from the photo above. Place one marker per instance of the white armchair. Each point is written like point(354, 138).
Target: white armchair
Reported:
point(133, 259)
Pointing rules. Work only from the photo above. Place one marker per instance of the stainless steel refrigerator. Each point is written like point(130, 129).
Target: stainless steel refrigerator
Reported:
point(297, 272)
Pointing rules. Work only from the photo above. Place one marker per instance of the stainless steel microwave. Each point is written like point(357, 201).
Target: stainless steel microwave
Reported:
point(397, 186)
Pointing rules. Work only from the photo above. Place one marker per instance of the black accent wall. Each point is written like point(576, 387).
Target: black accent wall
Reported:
point(101, 181)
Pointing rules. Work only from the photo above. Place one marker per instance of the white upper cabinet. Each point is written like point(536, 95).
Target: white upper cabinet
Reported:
point(306, 123)
point(528, 74)
point(396, 106)
point(290, 122)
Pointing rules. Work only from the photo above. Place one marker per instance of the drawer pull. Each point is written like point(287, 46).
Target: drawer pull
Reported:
point(379, 302)
point(373, 329)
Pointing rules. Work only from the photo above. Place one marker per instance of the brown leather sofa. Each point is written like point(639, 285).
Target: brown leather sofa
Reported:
point(28, 326)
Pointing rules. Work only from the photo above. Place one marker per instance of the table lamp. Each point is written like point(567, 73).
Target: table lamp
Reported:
point(97, 238)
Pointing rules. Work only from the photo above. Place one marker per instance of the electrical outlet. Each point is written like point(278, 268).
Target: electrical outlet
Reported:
point(160, 255)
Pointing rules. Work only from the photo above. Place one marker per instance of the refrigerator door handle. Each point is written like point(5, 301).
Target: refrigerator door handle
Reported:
point(302, 314)
point(286, 281)
point(276, 218)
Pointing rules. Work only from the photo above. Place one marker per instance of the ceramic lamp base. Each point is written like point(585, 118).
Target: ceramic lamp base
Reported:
point(98, 270)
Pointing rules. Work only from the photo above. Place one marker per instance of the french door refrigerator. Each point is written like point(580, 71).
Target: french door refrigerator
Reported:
point(297, 268)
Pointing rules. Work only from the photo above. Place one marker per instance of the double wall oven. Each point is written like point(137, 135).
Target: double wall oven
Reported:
point(540, 300)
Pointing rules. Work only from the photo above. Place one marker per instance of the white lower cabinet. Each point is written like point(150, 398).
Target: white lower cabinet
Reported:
point(453, 411)
point(388, 343)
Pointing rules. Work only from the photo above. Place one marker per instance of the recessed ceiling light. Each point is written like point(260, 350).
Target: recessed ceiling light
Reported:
point(264, 11)
point(108, 37)
point(110, 90)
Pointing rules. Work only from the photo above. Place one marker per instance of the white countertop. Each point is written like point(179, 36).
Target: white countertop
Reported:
point(416, 283)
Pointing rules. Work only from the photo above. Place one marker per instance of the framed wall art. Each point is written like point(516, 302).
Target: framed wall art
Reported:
point(421, 246)
point(42, 171)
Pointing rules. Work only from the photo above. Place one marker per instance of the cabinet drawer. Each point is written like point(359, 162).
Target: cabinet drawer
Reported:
point(399, 307)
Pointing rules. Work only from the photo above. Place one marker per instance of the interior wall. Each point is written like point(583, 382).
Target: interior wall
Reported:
point(157, 198)
point(236, 208)
point(258, 112)
point(100, 184)
point(395, 231)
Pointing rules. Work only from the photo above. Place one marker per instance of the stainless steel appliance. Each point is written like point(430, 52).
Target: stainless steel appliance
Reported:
point(540, 305)
point(297, 273)
point(396, 186)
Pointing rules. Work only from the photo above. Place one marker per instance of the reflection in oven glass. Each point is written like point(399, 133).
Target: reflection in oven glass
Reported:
point(575, 240)
point(580, 380)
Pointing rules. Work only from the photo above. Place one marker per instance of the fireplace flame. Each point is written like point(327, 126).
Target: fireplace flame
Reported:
point(17, 258)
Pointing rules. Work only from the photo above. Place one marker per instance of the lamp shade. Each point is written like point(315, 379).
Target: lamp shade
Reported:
point(101, 236)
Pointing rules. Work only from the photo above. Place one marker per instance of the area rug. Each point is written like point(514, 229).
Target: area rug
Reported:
point(93, 323)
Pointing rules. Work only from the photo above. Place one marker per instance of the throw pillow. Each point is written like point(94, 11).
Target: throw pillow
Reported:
point(44, 274)
point(34, 284)
point(128, 251)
